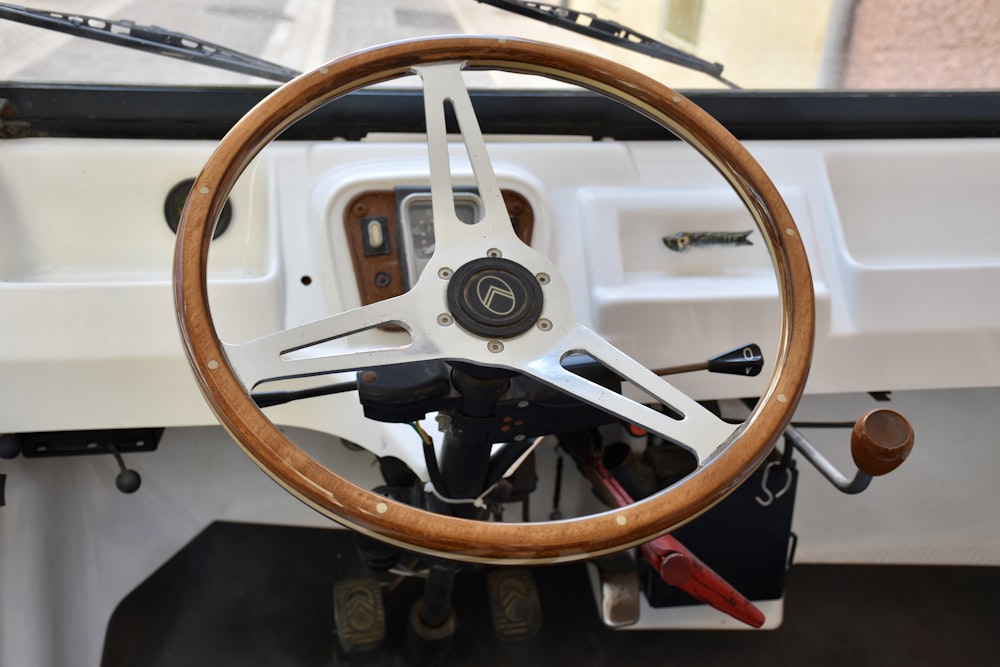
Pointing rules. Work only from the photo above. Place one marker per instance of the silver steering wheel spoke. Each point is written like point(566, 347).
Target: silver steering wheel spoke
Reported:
point(682, 421)
point(323, 346)
point(444, 87)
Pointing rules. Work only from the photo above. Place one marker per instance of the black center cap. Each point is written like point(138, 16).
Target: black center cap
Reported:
point(495, 298)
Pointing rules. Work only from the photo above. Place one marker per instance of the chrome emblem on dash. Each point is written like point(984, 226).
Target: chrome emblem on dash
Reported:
point(681, 241)
point(496, 295)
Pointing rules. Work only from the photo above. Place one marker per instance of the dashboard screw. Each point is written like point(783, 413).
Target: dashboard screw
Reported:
point(494, 346)
point(543, 278)
point(444, 273)
point(544, 324)
point(445, 319)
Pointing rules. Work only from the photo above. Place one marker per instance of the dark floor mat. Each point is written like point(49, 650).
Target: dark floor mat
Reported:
point(261, 595)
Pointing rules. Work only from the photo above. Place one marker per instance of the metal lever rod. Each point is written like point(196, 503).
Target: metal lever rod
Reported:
point(880, 441)
point(747, 360)
point(860, 480)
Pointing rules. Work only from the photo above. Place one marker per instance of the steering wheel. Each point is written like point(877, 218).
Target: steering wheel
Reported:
point(488, 299)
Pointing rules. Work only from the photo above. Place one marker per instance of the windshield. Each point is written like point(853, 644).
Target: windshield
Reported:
point(762, 44)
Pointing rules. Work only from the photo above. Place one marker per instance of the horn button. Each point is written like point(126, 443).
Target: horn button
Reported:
point(495, 297)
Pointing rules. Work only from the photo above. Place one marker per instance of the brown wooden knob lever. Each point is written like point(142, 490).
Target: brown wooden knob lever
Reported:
point(880, 441)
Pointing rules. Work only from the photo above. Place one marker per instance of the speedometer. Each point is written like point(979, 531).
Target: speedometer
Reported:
point(417, 226)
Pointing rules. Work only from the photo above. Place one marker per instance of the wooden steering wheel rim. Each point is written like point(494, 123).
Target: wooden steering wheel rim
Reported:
point(406, 526)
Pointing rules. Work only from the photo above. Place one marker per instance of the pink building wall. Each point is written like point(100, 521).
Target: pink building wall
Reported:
point(923, 44)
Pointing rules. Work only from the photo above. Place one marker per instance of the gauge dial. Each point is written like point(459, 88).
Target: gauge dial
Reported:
point(417, 229)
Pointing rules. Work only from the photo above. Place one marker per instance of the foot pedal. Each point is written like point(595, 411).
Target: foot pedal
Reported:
point(514, 604)
point(619, 589)
point(359, 614)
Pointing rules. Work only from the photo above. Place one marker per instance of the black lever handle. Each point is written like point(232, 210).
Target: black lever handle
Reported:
point(746, 360)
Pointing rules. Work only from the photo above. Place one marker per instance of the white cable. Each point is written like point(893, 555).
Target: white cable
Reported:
point(479, 502)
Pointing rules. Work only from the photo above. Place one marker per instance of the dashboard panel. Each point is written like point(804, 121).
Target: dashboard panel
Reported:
point(391, 234)
point(98, 290)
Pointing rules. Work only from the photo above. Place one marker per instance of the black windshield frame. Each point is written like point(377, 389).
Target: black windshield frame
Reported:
point(102, 111)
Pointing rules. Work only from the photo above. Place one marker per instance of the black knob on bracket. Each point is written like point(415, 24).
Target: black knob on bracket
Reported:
point(128, 480)
point(10, 446)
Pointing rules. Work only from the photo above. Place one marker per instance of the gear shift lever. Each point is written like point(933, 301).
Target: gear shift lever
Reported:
point(880, 441)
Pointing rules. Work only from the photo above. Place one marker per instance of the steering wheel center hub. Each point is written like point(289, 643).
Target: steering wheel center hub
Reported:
point(495, 297)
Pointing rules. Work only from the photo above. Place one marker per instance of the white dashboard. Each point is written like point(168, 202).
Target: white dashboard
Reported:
point(900, 236)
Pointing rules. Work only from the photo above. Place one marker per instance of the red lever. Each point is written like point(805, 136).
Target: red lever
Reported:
point(680, 568)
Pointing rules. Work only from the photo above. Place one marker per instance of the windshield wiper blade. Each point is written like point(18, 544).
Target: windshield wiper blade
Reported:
point(148, 38)
point(612, 32)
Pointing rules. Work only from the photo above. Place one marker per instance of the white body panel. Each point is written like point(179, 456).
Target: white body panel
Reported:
point(89, 339)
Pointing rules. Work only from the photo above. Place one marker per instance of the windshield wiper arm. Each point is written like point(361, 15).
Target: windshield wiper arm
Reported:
point(612, 32)
point(151, 39)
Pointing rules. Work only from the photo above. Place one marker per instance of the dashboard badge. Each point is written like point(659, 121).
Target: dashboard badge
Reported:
point(495, 297)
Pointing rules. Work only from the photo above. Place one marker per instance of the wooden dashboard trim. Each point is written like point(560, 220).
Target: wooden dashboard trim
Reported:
point(392, 264)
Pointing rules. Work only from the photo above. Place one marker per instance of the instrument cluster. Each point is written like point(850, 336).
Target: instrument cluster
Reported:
point(390, 233)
